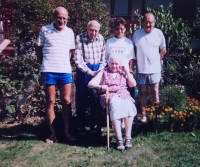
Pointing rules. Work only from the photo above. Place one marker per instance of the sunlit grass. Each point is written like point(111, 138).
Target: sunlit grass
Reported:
point(163, 149)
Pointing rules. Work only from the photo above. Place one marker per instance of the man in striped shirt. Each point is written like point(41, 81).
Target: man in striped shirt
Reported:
point(89, 59)
point(53, 48)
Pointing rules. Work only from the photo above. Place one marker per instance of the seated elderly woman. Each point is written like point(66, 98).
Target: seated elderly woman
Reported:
point(121, 105)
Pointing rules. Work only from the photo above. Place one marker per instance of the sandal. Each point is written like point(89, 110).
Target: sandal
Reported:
point(51, 139)
point(128, 143)
point(120, 145)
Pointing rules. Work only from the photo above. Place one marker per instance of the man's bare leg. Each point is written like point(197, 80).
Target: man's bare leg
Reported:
point(65, 92)
point(143, 100)
point(50, 91)
point(155, 92)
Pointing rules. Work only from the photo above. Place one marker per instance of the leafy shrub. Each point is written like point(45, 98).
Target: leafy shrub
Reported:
point(20, 92)
point(174, 97)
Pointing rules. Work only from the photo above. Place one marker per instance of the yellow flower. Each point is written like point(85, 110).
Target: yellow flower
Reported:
point(172, 115)
point(191, 113)
point(166, 110)
point(180, 113)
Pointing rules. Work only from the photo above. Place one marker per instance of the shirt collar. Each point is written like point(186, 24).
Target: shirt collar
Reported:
point(53, 28)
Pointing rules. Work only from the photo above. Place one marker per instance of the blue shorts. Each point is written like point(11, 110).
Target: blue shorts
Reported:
point(143, 79)
point(50, 78)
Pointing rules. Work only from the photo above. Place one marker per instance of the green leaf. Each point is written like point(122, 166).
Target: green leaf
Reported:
point(35, 76)
point(10, 109)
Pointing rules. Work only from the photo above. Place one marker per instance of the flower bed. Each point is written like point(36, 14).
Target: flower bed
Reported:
point(166, 118)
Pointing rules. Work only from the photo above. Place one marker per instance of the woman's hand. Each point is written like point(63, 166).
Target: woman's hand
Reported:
point(104, 88)
point(125, 69)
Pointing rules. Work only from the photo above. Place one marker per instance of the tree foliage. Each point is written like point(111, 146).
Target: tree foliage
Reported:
point(33, 14)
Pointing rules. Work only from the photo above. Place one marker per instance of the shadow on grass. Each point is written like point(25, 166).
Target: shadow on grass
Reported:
point(40, 131)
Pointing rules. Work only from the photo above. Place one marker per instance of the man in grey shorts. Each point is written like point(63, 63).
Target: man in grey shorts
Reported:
point(150, 49)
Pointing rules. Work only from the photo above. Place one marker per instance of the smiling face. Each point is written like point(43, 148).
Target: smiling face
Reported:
point(119, 31)
point(149, 22)
point(114, 63)
point(60, 18)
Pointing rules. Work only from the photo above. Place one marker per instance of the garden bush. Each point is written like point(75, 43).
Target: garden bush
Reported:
point(174, 97)
point(20, 93)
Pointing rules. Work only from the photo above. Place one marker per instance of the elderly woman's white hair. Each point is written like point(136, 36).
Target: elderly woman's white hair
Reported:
point(116, 57)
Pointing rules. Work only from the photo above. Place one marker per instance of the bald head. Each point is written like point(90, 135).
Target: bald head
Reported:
point(60, 17)
point(93, 28)
point(149, 15)
point(149, 22)
point(60, 9)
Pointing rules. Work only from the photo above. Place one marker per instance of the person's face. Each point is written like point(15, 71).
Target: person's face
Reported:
point(93, 31)
point(119, 31)
point(60, 20)
point(149, 23)
point(114, 65)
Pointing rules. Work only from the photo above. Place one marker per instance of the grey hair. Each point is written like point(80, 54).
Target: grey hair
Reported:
point(117, 57)
point(90, 22)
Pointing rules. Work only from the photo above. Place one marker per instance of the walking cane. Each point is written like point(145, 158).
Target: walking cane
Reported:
point(107, 120)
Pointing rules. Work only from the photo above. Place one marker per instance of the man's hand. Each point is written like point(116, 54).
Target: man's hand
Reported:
point(162, 53)
point(94, 73)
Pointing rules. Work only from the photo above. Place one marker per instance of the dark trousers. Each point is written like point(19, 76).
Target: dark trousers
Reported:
point(82, 94)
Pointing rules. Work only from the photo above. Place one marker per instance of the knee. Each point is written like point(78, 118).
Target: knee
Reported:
point(66, 100)
point(50, 101)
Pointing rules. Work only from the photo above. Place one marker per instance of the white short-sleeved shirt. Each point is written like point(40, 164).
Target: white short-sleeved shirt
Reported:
point(56, 46)
point(124, 47)
point(147, 50)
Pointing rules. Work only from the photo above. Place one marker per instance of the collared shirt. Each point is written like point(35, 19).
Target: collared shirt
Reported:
point(56, 47)
point(89, 52)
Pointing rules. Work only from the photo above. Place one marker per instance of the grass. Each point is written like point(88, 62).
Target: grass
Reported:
point(166, 149)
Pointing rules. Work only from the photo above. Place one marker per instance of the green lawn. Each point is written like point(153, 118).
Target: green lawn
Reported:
point(166, 149)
